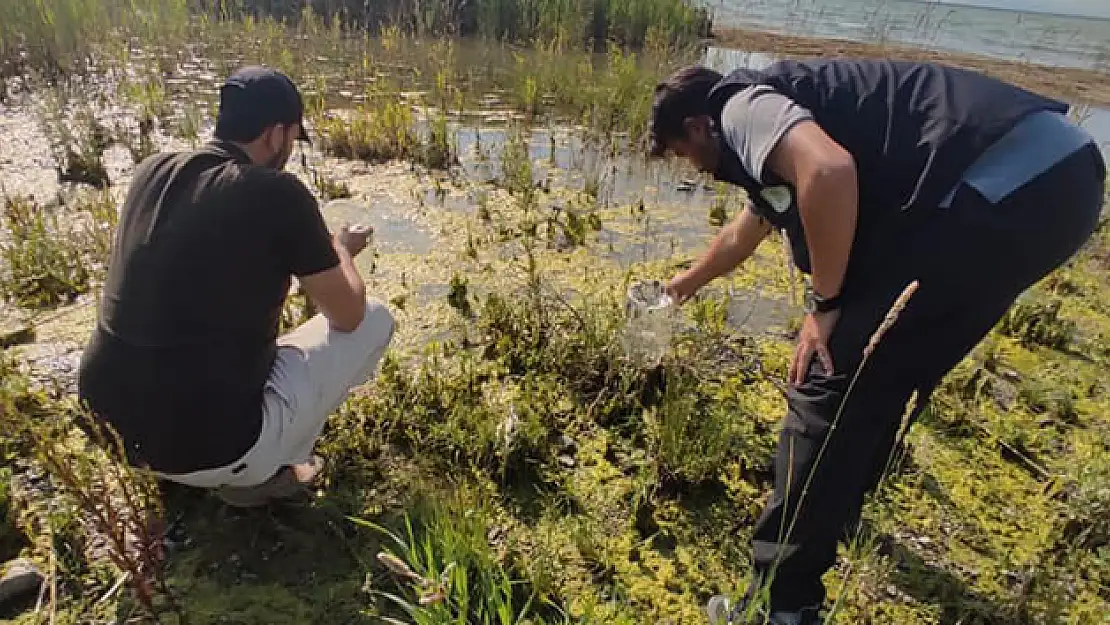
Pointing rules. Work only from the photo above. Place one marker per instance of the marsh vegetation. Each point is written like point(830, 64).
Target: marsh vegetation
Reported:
point(513, 462)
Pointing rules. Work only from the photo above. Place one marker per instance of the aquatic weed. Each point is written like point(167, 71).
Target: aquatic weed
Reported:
point(43, 266)
point(77, 140)
point(118, 504)
point(1039, 323)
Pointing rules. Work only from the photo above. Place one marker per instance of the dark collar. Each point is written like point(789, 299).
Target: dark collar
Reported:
point(228, 150)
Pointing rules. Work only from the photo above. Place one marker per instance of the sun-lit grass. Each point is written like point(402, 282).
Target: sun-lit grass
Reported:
point(53, 254)
point(58, 36)
point(523, 465)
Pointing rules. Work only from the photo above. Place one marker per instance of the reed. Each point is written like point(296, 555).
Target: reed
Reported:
point(56, 37)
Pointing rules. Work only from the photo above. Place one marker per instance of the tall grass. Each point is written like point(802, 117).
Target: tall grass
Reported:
point(64, 36)
point(60, 36)
point(590, 22)
point(445, 571)
point(577, 22)
point(53, 255)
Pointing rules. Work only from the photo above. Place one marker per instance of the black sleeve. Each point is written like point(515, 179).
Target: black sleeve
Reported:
point(303, 239)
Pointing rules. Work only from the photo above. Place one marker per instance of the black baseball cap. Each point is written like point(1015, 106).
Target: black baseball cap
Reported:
point(255, 97)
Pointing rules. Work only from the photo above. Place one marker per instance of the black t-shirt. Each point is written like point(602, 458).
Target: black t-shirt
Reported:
point(188, 323)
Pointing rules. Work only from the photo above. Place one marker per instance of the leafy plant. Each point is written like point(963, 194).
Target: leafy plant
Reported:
point(439, 151)
point(42, 266)
point(85, 460)
point(444, 571)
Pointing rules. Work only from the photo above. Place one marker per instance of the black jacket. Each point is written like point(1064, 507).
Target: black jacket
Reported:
point(912, 128)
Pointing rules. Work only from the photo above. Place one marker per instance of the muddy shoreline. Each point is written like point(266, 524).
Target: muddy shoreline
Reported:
point(1073, 84)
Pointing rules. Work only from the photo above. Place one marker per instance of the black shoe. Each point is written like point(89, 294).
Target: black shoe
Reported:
point(722, 612)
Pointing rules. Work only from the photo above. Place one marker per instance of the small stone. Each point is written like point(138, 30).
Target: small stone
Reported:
point(20, 577)
point(16, 334)
point(495, 534)
point(567, 443)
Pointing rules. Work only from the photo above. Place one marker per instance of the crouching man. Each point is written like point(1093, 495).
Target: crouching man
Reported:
point(186, 363)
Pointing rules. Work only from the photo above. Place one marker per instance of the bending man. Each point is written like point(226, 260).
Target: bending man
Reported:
point(880, 173)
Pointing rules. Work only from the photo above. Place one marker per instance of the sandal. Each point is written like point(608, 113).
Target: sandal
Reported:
point(289, 482)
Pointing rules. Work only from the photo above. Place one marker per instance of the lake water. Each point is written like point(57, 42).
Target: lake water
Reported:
point(1043, 39)
point(1039, 38)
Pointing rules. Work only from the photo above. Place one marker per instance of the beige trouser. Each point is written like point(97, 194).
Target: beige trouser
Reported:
point(314, 371)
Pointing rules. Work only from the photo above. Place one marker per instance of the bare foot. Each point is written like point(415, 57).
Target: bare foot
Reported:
point(307, 472)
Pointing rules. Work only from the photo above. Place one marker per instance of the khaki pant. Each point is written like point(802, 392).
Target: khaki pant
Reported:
point(314, 371)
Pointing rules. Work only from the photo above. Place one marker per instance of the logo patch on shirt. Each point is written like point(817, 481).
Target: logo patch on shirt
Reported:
point(778, 197)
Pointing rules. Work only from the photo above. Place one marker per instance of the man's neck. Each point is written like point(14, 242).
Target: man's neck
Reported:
point(253, 150)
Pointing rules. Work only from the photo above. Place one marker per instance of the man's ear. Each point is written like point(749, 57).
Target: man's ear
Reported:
point(697, 126)
point(274, 138)
point(281, 131)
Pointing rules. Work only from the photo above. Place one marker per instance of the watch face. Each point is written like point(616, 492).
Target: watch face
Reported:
point(809, 304)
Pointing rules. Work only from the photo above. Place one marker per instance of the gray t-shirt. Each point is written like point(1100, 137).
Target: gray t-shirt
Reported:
point(754, 120)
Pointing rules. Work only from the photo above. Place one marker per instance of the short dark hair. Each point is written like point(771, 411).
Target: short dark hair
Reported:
point(682, 95)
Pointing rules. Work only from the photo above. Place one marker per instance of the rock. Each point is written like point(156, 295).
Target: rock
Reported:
point(566, 444)
point(20, 578)
point(18, 333)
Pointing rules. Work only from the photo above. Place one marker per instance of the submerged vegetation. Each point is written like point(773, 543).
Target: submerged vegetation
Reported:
point(517, 459)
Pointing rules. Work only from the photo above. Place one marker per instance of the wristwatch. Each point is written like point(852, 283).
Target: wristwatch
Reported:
point(815, 303)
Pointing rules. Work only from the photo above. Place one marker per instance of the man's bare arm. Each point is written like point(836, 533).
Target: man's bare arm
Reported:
point(339, 292)
point(824, 175)
point(733, 245)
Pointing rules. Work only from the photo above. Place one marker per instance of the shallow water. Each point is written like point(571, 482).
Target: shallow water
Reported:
point(1036, 37)
point(654, 215)
point(1096, 120)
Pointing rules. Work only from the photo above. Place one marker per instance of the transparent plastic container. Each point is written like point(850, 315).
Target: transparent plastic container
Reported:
point(651, 319)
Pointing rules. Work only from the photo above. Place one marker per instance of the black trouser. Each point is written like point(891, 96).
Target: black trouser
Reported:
point(972, 261)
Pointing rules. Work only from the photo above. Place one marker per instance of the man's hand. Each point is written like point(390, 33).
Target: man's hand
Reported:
point(734, 244)
point(355, 238)
point(339, 292)
point(813, 340)
point(683, 286)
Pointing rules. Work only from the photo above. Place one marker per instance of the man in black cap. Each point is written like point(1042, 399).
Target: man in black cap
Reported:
point(186, 363)
point(880, 174)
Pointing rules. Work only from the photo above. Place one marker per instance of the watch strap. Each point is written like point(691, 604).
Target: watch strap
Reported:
point(822, 304)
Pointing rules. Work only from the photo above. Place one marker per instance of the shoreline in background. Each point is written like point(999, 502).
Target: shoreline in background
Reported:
point(963, 4)
point(1076, 85)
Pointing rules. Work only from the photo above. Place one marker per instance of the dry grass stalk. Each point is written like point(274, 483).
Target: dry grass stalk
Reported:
point(399, 568)
point(891, 318)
